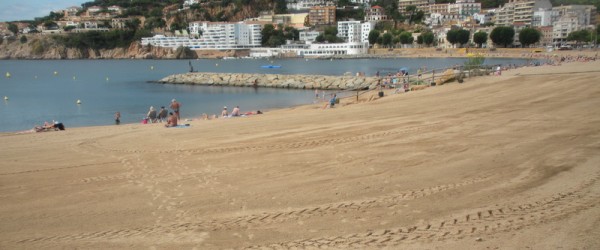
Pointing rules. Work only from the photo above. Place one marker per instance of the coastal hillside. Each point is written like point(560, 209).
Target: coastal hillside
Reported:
point(44, 47)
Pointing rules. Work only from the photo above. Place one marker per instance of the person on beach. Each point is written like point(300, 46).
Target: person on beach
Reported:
point(175, 106)
point(235, 111)
point(332, 100)
point(162, 114)
point(171, 121)
point(151, 115)
point(224, 112)
point(117, 118)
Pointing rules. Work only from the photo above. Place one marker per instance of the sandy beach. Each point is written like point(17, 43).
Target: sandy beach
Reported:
point(497, 162)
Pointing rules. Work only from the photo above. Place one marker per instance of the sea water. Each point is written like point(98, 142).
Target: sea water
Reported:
point(46, 90)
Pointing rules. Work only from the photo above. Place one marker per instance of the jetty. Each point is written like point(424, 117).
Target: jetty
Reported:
point(274, 80)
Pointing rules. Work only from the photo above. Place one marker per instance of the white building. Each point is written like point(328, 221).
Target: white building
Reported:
point(465, 8)
point(519, 11)
point(227, 34)
point(213, 36)
point(188, 3)
point(484, 18)
point(355, 31)
point(437, 19)
point(326, 49)
point(585, 13)
point(544, 17)
point(307, 4)
point(308, 36)
point(363, 2)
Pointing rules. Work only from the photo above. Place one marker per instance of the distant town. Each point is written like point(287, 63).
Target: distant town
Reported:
point(315, 27)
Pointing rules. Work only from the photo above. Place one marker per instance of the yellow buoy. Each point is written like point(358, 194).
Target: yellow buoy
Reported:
point(78, 101)
point(7, 75)
point(151, 67)
point(55, 72)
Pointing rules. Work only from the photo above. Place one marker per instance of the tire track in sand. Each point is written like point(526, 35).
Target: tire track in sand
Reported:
point(486, 221)
point(260, 218)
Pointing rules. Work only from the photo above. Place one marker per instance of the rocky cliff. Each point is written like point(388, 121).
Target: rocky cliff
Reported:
point(41, 47)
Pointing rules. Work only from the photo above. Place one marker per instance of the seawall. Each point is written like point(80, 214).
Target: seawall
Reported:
point(274, 80)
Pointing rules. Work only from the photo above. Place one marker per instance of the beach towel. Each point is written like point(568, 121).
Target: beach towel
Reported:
point(181, 126)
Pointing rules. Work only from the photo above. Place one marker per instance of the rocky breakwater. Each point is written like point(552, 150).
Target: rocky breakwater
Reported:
point(274, 81)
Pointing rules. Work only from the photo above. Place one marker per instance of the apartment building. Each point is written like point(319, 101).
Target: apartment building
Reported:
point(544, 17)
point(439, 8)
point(547, 35)
point(420, 4)
point(520, 11)
point(565, 25)
point(226, 35)
point(465, 8)
point(321, 15)
point(585, 13)
point(355, 31)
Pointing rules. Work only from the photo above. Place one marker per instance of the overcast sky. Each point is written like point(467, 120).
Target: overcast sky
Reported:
point(16, 10)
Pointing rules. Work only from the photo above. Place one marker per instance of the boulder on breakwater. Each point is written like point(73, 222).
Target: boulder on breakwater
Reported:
point(274, 80)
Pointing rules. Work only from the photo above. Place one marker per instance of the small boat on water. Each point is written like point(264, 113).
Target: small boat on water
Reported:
point(271, 66)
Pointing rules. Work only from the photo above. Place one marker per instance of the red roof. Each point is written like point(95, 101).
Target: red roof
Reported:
point(376, 7)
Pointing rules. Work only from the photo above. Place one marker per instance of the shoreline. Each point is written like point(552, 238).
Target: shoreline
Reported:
point(371, 97)
point(517, 53)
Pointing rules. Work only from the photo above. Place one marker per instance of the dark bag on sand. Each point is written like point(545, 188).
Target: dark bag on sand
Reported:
point(60, 126)
point(380, 93)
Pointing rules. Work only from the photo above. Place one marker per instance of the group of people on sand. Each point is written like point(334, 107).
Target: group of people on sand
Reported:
point(159, 116)
point(163, 115)
point(235, 112)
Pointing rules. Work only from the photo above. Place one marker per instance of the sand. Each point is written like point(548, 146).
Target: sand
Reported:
point(507, 162)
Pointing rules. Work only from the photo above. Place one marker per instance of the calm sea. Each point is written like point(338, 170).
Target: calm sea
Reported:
point(46, 90)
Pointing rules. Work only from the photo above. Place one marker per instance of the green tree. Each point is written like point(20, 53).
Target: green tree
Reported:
point(480, 38)
point(133, 24)
point(529, 36)
point(330, 31)
point(580, 36)
point(266, 33)
point(503, 36)
point(280, 7)
point(320, 38)
point(406, 38)
point(462, 36)
point(23, 39)
point(426, 38)
point(373, 35)
point(13, 28)
point(387, 39)
point(411, 10)
point(396, 40)
point(452, 36)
